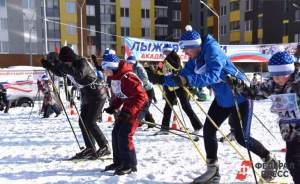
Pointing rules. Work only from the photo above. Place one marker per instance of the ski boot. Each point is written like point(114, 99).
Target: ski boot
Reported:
point(211, 176)
point(104, 151)
point(162, 132)
point(195, 135)
point(229, 136)
point(113, 166)
point(125, 170)
point(87, 153)
point(270, 167)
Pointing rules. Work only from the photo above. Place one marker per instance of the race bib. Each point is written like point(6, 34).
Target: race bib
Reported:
point(285, 106)
point(116, 89)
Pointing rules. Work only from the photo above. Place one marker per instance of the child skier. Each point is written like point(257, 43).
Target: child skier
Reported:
point(129, 92)
point(284, 91)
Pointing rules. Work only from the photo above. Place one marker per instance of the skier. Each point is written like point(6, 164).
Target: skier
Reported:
point(129, 92)
point(140, 71)
point(208, 66)
point(284, 91)
point(4, 102)
point(50, 104)
point(171, 66)
point(83, 76)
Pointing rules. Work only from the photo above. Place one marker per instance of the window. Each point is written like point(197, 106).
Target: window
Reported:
point(2, 3)
point(90, 10)
point(125, 31)
point(235, 5)
point(176, 1)
point(28, 4)
point(161, 12)
point(124, 12)
point(223, 10)
point(223, 29)
point(285, 29)
point(297, 37)
point(249, 5)
point(4, 47)
point(176, 15)
point(92, 30)
point(176, 33)
point(297, 15)
point(52, 45)
point(52, 4)
point(3, 24)
point(234, 26)
point(161, 31)
point(145, 13)
point(260, 22)
point(70, 7)
point(53, 30)
point(72, 29)
point(248, 25)
point(146, 32)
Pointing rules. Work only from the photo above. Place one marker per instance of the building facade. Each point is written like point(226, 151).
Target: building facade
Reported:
point(252, 21)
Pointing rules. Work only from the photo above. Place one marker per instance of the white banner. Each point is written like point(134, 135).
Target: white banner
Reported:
point(151, 50)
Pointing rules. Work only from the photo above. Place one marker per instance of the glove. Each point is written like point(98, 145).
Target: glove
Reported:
point(46, 64)
point(233, 82)
point(237, 84)
point(124, 116)
point(180, 80)
point(109, 110)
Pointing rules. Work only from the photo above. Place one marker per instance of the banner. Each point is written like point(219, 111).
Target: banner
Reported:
point(151, 50)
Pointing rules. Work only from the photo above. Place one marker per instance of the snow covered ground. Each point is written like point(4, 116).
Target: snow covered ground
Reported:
point(32, 151)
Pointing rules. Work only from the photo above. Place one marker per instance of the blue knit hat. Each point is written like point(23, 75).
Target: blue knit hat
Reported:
point(131, 60)
point(167, 47)
point(190, 38)
point(281, 64)
point(109, 51)
point(44, 77)
point(110, 61)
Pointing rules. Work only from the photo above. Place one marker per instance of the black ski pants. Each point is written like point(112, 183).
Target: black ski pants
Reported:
point(219, 114)
point(89, 113)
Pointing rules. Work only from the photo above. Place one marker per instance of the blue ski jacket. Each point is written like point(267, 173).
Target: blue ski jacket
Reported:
point(210, 68)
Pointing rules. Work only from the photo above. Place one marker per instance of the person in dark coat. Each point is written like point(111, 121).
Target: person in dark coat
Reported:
point(82, 75)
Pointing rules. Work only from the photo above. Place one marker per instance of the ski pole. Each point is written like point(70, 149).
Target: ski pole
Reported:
point(185, 129)
point(33, 103)
point(56, 93)
point(242, 129)
point(177, 130)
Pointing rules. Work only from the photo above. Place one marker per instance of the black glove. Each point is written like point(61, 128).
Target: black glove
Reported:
point(109, 110)
point(233, 82)
point(46, 64)
point(180, 80)
point(124, 116)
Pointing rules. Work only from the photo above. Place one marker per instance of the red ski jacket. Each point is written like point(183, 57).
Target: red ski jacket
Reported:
point(128, 89)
